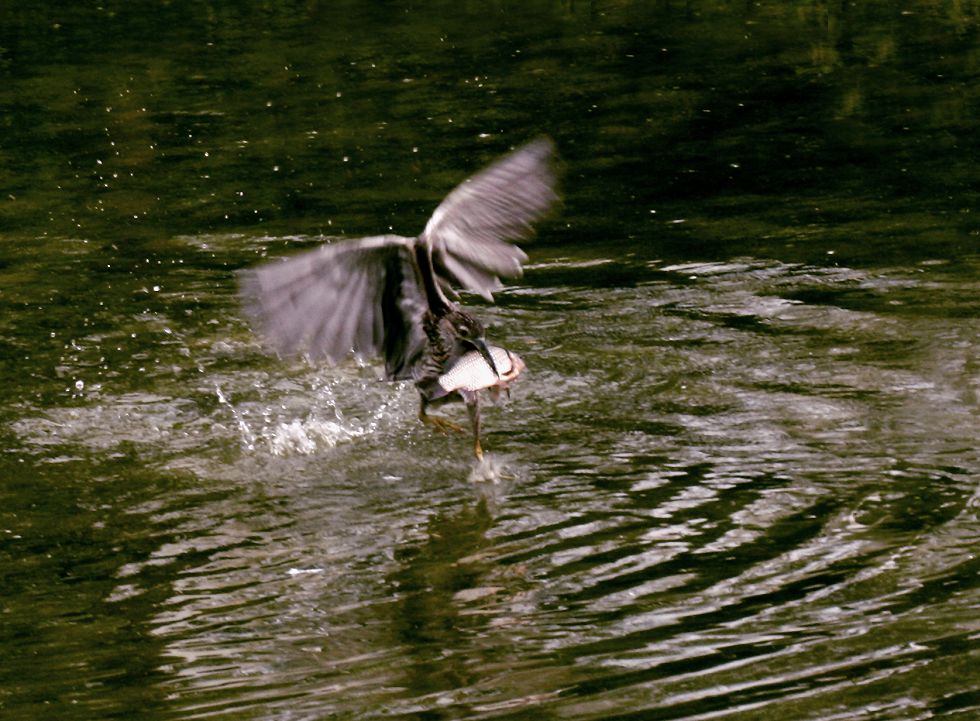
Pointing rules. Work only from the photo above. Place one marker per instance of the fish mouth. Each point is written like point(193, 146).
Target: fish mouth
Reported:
point(481, 345)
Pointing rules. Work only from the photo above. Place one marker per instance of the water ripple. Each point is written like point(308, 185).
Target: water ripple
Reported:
point(720, 492)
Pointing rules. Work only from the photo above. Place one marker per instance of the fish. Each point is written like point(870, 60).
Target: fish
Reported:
point(471, 372)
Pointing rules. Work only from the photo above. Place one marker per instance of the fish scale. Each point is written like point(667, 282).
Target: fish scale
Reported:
point(472, 372)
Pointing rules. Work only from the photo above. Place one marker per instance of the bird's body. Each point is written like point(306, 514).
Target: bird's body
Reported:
point(391, 294)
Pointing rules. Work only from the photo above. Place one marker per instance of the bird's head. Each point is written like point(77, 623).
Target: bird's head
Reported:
point(471, 332)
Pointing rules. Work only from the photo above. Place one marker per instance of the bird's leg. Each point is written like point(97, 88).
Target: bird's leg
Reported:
point(473, 408)
point(443, 425)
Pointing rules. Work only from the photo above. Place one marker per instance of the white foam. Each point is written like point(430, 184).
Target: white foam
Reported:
point(308, 436)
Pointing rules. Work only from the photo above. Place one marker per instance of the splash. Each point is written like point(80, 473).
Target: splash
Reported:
point(282, 422)
point(308, 436)
point(490, 470)
point(303, 436)
point(248, 437)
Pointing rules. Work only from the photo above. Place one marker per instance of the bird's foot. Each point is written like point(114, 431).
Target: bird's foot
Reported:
point(440, 424)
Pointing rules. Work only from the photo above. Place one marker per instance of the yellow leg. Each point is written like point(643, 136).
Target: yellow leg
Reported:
point(473, 407)
point(440, 424)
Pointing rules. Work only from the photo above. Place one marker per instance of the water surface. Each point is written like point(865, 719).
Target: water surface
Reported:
point(739, 479)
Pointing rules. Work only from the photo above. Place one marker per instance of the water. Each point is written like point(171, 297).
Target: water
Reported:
point(738, 480)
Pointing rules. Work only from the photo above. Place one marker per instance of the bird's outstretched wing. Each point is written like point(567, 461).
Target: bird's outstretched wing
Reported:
point(365, 295)
point(468, 232)
point(353, 295)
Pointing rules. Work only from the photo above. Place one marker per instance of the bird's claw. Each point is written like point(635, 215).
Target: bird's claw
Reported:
point(442, 425)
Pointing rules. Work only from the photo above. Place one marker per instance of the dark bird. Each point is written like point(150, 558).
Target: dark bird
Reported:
point(394, 295)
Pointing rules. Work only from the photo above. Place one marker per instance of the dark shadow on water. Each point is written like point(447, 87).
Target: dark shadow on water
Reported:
point(435, 573)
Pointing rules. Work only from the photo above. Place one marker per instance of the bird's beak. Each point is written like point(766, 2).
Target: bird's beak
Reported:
point(481, 345)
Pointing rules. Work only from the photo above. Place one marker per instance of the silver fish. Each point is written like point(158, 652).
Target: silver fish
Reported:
point(472, 372)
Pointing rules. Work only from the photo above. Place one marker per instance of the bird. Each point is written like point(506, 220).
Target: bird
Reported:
point(396, 295)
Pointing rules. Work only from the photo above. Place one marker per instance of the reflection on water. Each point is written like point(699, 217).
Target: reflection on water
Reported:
point(729, 486)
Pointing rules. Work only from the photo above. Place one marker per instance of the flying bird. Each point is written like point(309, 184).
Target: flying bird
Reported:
point(394, 295)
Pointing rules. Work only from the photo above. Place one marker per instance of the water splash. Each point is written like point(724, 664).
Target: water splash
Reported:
point(309, 436)
point(248, 437)
point(284, 436)
point(490, 469)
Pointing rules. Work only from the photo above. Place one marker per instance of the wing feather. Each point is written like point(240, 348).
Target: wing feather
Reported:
point(469, 230)
point(326, 302)
point(364, 296)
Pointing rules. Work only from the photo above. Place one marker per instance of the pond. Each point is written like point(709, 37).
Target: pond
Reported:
point(739, 479)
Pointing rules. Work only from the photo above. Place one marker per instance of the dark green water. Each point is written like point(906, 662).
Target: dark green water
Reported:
point(743, 466)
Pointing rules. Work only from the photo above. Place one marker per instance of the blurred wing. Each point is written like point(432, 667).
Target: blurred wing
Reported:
point(468, 232)
point(363, 296)
point(358, 295)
